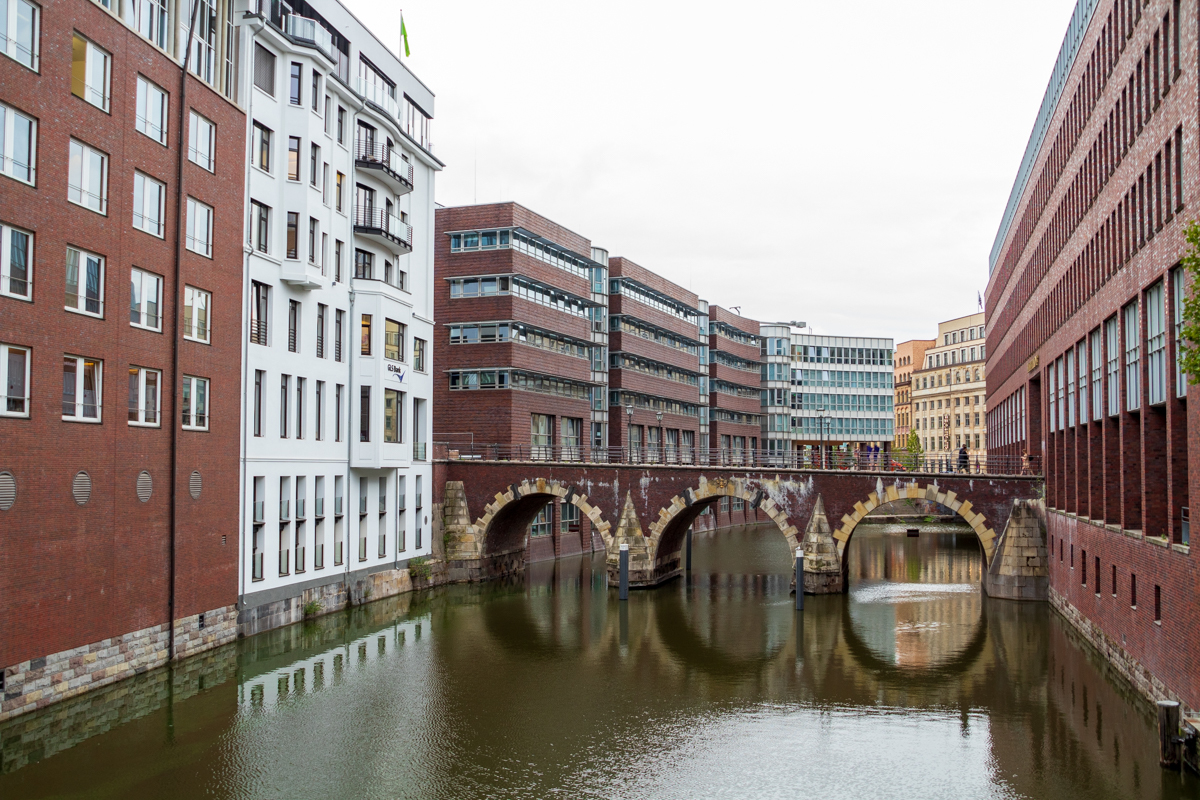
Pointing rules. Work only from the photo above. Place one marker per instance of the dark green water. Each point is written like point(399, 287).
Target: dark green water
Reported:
point(913, 685)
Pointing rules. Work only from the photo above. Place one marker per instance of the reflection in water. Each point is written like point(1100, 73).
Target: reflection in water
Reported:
point(708, 687)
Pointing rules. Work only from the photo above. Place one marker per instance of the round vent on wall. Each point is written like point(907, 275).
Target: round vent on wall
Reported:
point(145, 486)
point(8, 490)
point(195, 485)
point(81, 488)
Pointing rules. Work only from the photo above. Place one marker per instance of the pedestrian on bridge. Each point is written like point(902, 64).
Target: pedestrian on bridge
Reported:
point(964, 460)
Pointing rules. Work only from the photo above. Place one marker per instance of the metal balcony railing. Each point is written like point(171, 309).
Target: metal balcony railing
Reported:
point(258, 331)
point(377, 154)
point(375, 220)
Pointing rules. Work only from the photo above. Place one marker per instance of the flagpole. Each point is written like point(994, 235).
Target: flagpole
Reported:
point(400, 44)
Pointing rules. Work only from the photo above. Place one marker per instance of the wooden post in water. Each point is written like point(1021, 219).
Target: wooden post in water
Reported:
point(799, 578)
point(688, 547)
point(1168, 734)
point(624, 585)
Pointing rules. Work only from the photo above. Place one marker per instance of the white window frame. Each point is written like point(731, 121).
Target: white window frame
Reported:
point(81, 299)
point(12, 47)
point(197, 421)
point(1181, 379)
point(138, 414)
point(81, 181)
point(25, 172)
point(1156, 343)
point(199, 215)
point(1131, 356)
point(151, 20)
point(5, 349)
point(78, 414)
point(202, 141)
point(6, 237)
point(138, 280)
point(146, 216)
point(193, 331)
point(96, 59)
point(153, 104)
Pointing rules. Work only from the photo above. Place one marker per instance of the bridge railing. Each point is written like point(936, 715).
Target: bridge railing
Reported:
point(899, 462)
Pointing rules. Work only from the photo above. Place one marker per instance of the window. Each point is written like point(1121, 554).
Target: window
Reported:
point(202, 141)
point(294, 88)
point(337, 412)
point(264, 69)
point(1112, 353)
point(285, 383)
point(320, 416)
point(1133, 387)
point(364, 265)
point(313, 230)
point(366, 335)
point(18, 137)
point(195, 403)
point(260, 378)
point(85, 292)
point(322, 311)
point(341, 125)
point(199, 227)
point(338, 319)
point(1156, 344)
point(337, 261)
point(19, 32)
point(393, 340)
point(81, 389)
point(1097, 365)
point(1181, 379)
point(260, 226)
point(14, 379)
point(196, 304)
point(393, 415)
point(204, 41)
point(293, 222)
point(337, 193)
point(151, 110)
point(89, 72)
point(16, 263)
point(259, 296)
point(293, 326)
point(261, 156)
point(325, 183)
point(314, 158)
point(148, 198)
point(87, 180)
point(144, 396)
point(364, 414)
point(419, 354)
point(293, 158)
point(316, 91)
point(301, 385)
point(152, 20)
point(145, 296)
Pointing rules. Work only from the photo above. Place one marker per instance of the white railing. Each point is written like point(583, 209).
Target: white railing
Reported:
point(377, 94)
point(307, 30)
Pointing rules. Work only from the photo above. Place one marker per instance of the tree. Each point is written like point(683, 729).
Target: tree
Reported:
point(914, 444)
point(1189, 358)
point(912, 457)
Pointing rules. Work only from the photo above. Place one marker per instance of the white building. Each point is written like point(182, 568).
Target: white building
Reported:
point(339, 309)
point(841, 392)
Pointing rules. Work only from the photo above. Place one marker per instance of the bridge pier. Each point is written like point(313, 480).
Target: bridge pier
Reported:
point(822, 565)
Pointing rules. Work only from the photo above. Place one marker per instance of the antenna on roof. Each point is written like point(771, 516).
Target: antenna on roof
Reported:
point(738, 309)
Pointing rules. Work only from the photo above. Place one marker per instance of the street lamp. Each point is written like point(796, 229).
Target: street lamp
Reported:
point(629, 426)
point(821, 424)
point(661, 444)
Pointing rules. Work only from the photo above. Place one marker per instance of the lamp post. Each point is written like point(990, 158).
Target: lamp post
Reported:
point(821, 424)
point(661, 444)
point(629, 426)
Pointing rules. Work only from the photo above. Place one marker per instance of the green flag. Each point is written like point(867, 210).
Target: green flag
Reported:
point(404, 34)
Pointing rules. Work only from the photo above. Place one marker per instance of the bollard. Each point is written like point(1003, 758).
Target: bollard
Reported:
point(1168, 734)
point(688, 546)
point(799, 578)
point(624, 586)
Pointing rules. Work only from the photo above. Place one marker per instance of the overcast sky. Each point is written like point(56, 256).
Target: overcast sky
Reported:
point(844, 164)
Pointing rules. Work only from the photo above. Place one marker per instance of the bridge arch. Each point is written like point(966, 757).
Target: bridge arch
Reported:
point(665, 535)
point(502, 528)
point(915, 491)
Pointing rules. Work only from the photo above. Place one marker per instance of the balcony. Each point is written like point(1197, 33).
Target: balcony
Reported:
point(300, 508)
point(307, 31)
point(303, 274)
point(258, 512)
point(376, 94)
point(419, 450)
point(386, 164)
point(337, 506)
point(362, 504)
point(383, 228)
point(284, 513)
point(320, 508)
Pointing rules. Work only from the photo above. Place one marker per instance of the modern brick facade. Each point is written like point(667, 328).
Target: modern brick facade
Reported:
point(1083, 333)
point(735, 376)
point(119, 443)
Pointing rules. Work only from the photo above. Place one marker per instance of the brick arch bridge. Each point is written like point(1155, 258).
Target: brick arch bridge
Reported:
point(487, 507)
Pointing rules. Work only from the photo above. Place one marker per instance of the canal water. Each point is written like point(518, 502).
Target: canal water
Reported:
point(912, 685)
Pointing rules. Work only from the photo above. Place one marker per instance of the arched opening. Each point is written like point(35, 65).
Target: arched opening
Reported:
point(503, 530)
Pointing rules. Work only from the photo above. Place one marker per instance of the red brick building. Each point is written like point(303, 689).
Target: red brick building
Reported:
point(519, 304)
point(656, 381)
point(1083, 305)
point(735, 376)
point(120, 309)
